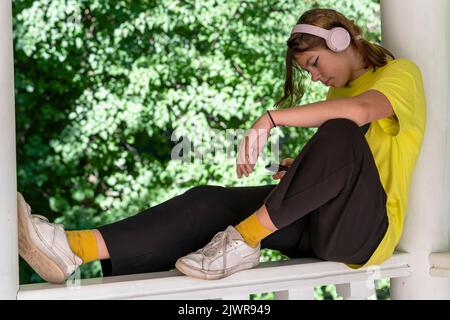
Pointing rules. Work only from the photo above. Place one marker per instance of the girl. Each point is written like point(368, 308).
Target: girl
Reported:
point(342, 199)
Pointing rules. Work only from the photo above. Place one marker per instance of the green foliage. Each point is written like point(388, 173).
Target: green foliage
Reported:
point(105, 90)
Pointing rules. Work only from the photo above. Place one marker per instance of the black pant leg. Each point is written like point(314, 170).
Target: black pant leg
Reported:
point(334, 180)
point(154, 239)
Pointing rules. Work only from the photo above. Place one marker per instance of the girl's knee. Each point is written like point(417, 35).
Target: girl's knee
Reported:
point(337, 135)
point(205, 195)
point(339, 125)
point(202, 191)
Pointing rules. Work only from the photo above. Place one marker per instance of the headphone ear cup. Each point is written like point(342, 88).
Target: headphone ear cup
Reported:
point(338, 39)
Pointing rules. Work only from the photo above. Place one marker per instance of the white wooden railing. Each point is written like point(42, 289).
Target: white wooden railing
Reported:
point(293, 279)
point(440, 264)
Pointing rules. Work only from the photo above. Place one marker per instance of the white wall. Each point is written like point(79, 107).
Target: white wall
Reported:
point(420, 30)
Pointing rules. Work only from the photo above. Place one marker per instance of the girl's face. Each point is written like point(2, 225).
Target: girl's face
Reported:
point(331, 68)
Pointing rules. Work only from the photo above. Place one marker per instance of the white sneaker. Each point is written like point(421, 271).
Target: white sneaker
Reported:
point(224, 255)
point(44, 246)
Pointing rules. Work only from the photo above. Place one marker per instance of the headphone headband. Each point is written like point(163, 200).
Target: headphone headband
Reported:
point(337, 39)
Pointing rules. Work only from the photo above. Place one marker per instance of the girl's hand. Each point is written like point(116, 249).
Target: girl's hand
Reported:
point(252, 145)
point(286, 162)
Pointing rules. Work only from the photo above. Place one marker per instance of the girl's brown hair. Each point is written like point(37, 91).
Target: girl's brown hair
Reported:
point(374, 55)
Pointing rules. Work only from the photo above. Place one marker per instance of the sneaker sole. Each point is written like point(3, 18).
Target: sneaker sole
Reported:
point(205, 275)
point(39, 261)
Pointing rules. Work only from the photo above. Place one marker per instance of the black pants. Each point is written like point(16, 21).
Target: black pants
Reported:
point(330, 205)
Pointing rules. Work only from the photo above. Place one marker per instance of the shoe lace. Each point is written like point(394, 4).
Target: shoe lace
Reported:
point(45, 219)
point(219, 243)
point(40, 217)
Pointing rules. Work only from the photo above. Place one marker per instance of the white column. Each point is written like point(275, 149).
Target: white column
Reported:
point(9, 270)
point(419, 30)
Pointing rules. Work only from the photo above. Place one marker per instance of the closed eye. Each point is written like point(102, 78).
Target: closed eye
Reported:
point(315, 62)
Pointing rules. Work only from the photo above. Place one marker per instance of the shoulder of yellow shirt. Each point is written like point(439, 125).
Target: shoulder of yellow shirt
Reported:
point(404, 64)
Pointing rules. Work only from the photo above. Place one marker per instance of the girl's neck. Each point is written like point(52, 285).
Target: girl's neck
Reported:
point(358, 67)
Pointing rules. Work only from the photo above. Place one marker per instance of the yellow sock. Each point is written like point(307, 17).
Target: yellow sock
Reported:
point(84, 244)
point(252, 230)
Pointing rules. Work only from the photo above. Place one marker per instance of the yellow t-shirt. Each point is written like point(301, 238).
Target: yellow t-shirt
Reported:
point(394, 141)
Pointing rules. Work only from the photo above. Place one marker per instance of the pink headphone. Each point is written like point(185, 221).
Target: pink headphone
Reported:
point(337, 39)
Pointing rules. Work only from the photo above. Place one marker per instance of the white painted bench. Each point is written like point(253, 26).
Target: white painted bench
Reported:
point(440, 264)
point(291, 279)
